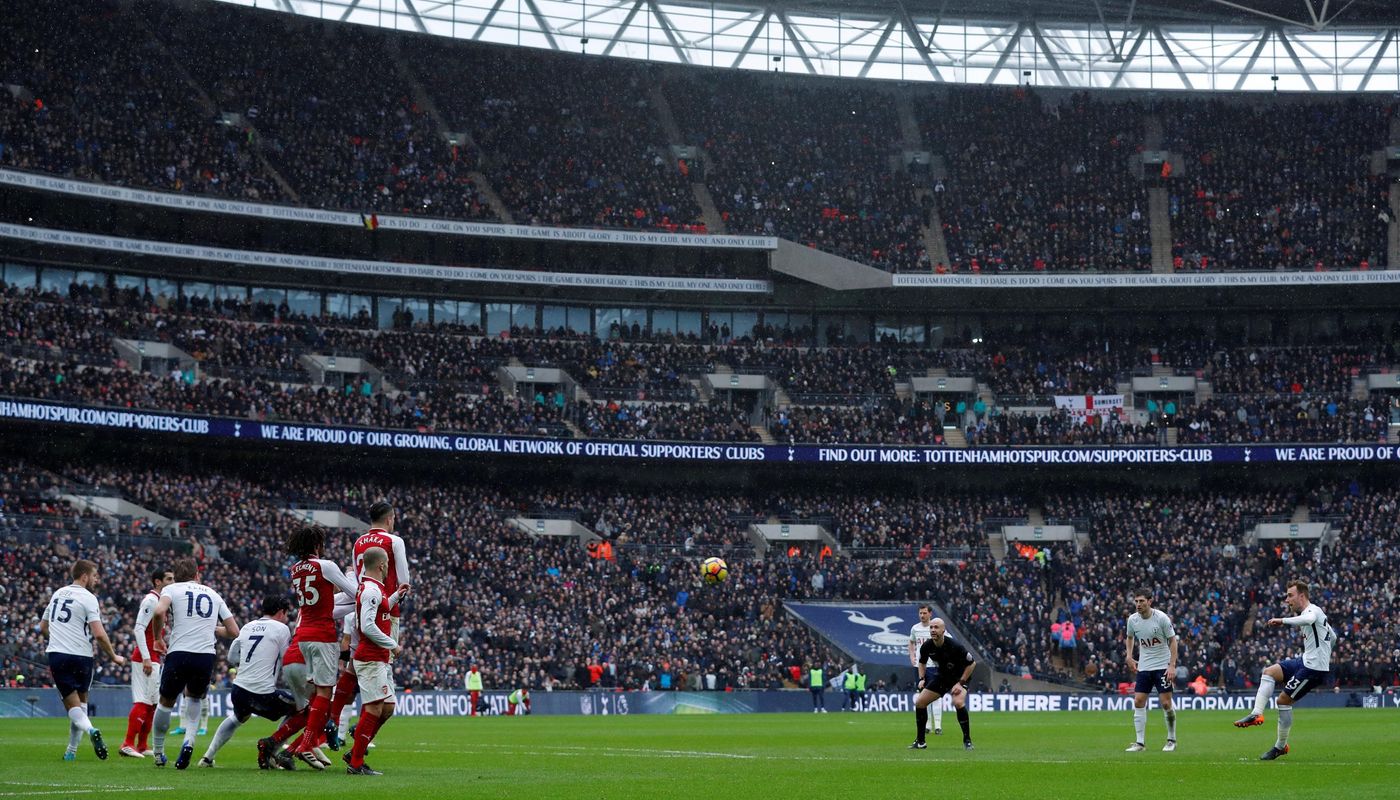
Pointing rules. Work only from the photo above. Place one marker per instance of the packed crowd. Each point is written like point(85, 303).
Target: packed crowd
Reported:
point(489, 593)
point(1035, 185)
point(1268, 186)
point(1033, 182)
point(250, 361)
point(807, 162)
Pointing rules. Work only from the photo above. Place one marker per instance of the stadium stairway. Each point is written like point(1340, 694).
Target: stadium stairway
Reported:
point(1393, 232)
point(1392, 434)
point(763, 434)
point(935, 244)
point(661, 107)
point(213, 110)
point(425, 102)
point(1158, 204)
point(957, 439)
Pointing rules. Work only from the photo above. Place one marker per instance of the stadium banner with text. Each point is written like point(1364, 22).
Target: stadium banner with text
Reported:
point(864, 455)
point(1144, 280)
point(394, 269)
point(1090, 405)
point(215, 205)
point(115, 701)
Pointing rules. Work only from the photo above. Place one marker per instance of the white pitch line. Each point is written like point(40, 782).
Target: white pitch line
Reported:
point(69, 792)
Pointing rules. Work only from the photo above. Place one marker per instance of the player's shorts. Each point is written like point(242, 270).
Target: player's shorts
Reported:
point(322, 661)
point(1299, 680)
point(298, 683)
point(145, 688)
point(1152, 680)
point(273, 706)
point(940, 686)
point(186, 673)
point(376, 680)
point(71, 673)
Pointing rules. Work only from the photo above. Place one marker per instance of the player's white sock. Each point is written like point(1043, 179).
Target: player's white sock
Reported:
point(204, 712)
point(1140, 724)
point(938, 715)
point(221, 736)
point(1170, 714)
point(343, 726)
point(1266, 690)
point(189, 718)
point(1285, 724)
point(75, 736)
point(79, 717)
point(160, 727)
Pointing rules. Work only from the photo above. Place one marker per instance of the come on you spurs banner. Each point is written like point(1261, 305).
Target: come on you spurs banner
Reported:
point(156, 423)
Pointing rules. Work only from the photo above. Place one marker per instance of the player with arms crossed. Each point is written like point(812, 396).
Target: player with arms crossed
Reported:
point(71, 622)
point(196, 612)
point(374, 616)
point(315, 581)
point(257, 653)
point(955, 666)
point(1302, 674)
point(145, 686)
point(1156, 640)
point(918, 634)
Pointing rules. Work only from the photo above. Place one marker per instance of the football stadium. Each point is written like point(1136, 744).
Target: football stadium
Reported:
point(670, 398)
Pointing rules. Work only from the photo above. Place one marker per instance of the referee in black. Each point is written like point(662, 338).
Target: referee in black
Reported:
point(955, 667)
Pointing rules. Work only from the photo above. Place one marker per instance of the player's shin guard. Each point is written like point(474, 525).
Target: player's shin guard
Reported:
point(204, 706)
point(291, 725)
point(938, 714)
point(965, 724)
point(135, 723)
point(1266, 690)
point(1140, 725)
point(161, 727)
point(189, 718)
point(345, 687)
point(343, 723)
point(1285, 724)
point(921, 720)
point(221, 736)
point(1170, 714)
point(75, 737)
point(364, 734)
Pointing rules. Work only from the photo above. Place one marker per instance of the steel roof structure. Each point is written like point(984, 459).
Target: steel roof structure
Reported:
point(1200, 45)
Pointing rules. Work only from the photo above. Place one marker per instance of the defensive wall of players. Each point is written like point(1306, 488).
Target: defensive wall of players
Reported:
point(370, 439)
point(109, 701)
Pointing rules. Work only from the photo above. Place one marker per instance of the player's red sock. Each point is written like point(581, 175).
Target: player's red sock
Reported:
point(135, 722)
point(148, 725)
point(345, 688)
point(364, 734)
point(291, 725)
point(315, 723)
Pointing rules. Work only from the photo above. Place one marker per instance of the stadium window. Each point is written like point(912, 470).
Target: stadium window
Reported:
point(580, 319)
point(20, 276)
point(301, 301)
point(554, 317)
point(192, 290)
point(497, 318)
point(663, 322)
point(55, 280)
point(635, 317)
point(162, 288)
point(131, 282)
point(388, 309)
point(524, 315)
point(349, 306)
point(469, 314)
point(272, 297)
point(605, 319)
point(225, 291)
point(688, 323)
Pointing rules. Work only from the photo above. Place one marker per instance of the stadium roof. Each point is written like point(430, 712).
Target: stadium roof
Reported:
point(1210, 45)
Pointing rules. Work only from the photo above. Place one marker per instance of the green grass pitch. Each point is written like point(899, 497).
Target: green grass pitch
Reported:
point(1338, 754)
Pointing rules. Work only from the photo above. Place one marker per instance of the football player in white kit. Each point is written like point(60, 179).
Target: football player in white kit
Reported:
point(72, 622)
point(1156, 640)
point(920, 633)
point(1302, 675)
point(257, 653)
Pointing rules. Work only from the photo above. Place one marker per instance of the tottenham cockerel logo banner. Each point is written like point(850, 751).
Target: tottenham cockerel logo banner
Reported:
point(872, 633)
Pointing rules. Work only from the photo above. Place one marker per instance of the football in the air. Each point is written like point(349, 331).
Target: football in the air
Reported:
point(714, 570)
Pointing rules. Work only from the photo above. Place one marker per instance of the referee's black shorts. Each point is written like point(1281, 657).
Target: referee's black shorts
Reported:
point(941, 686)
